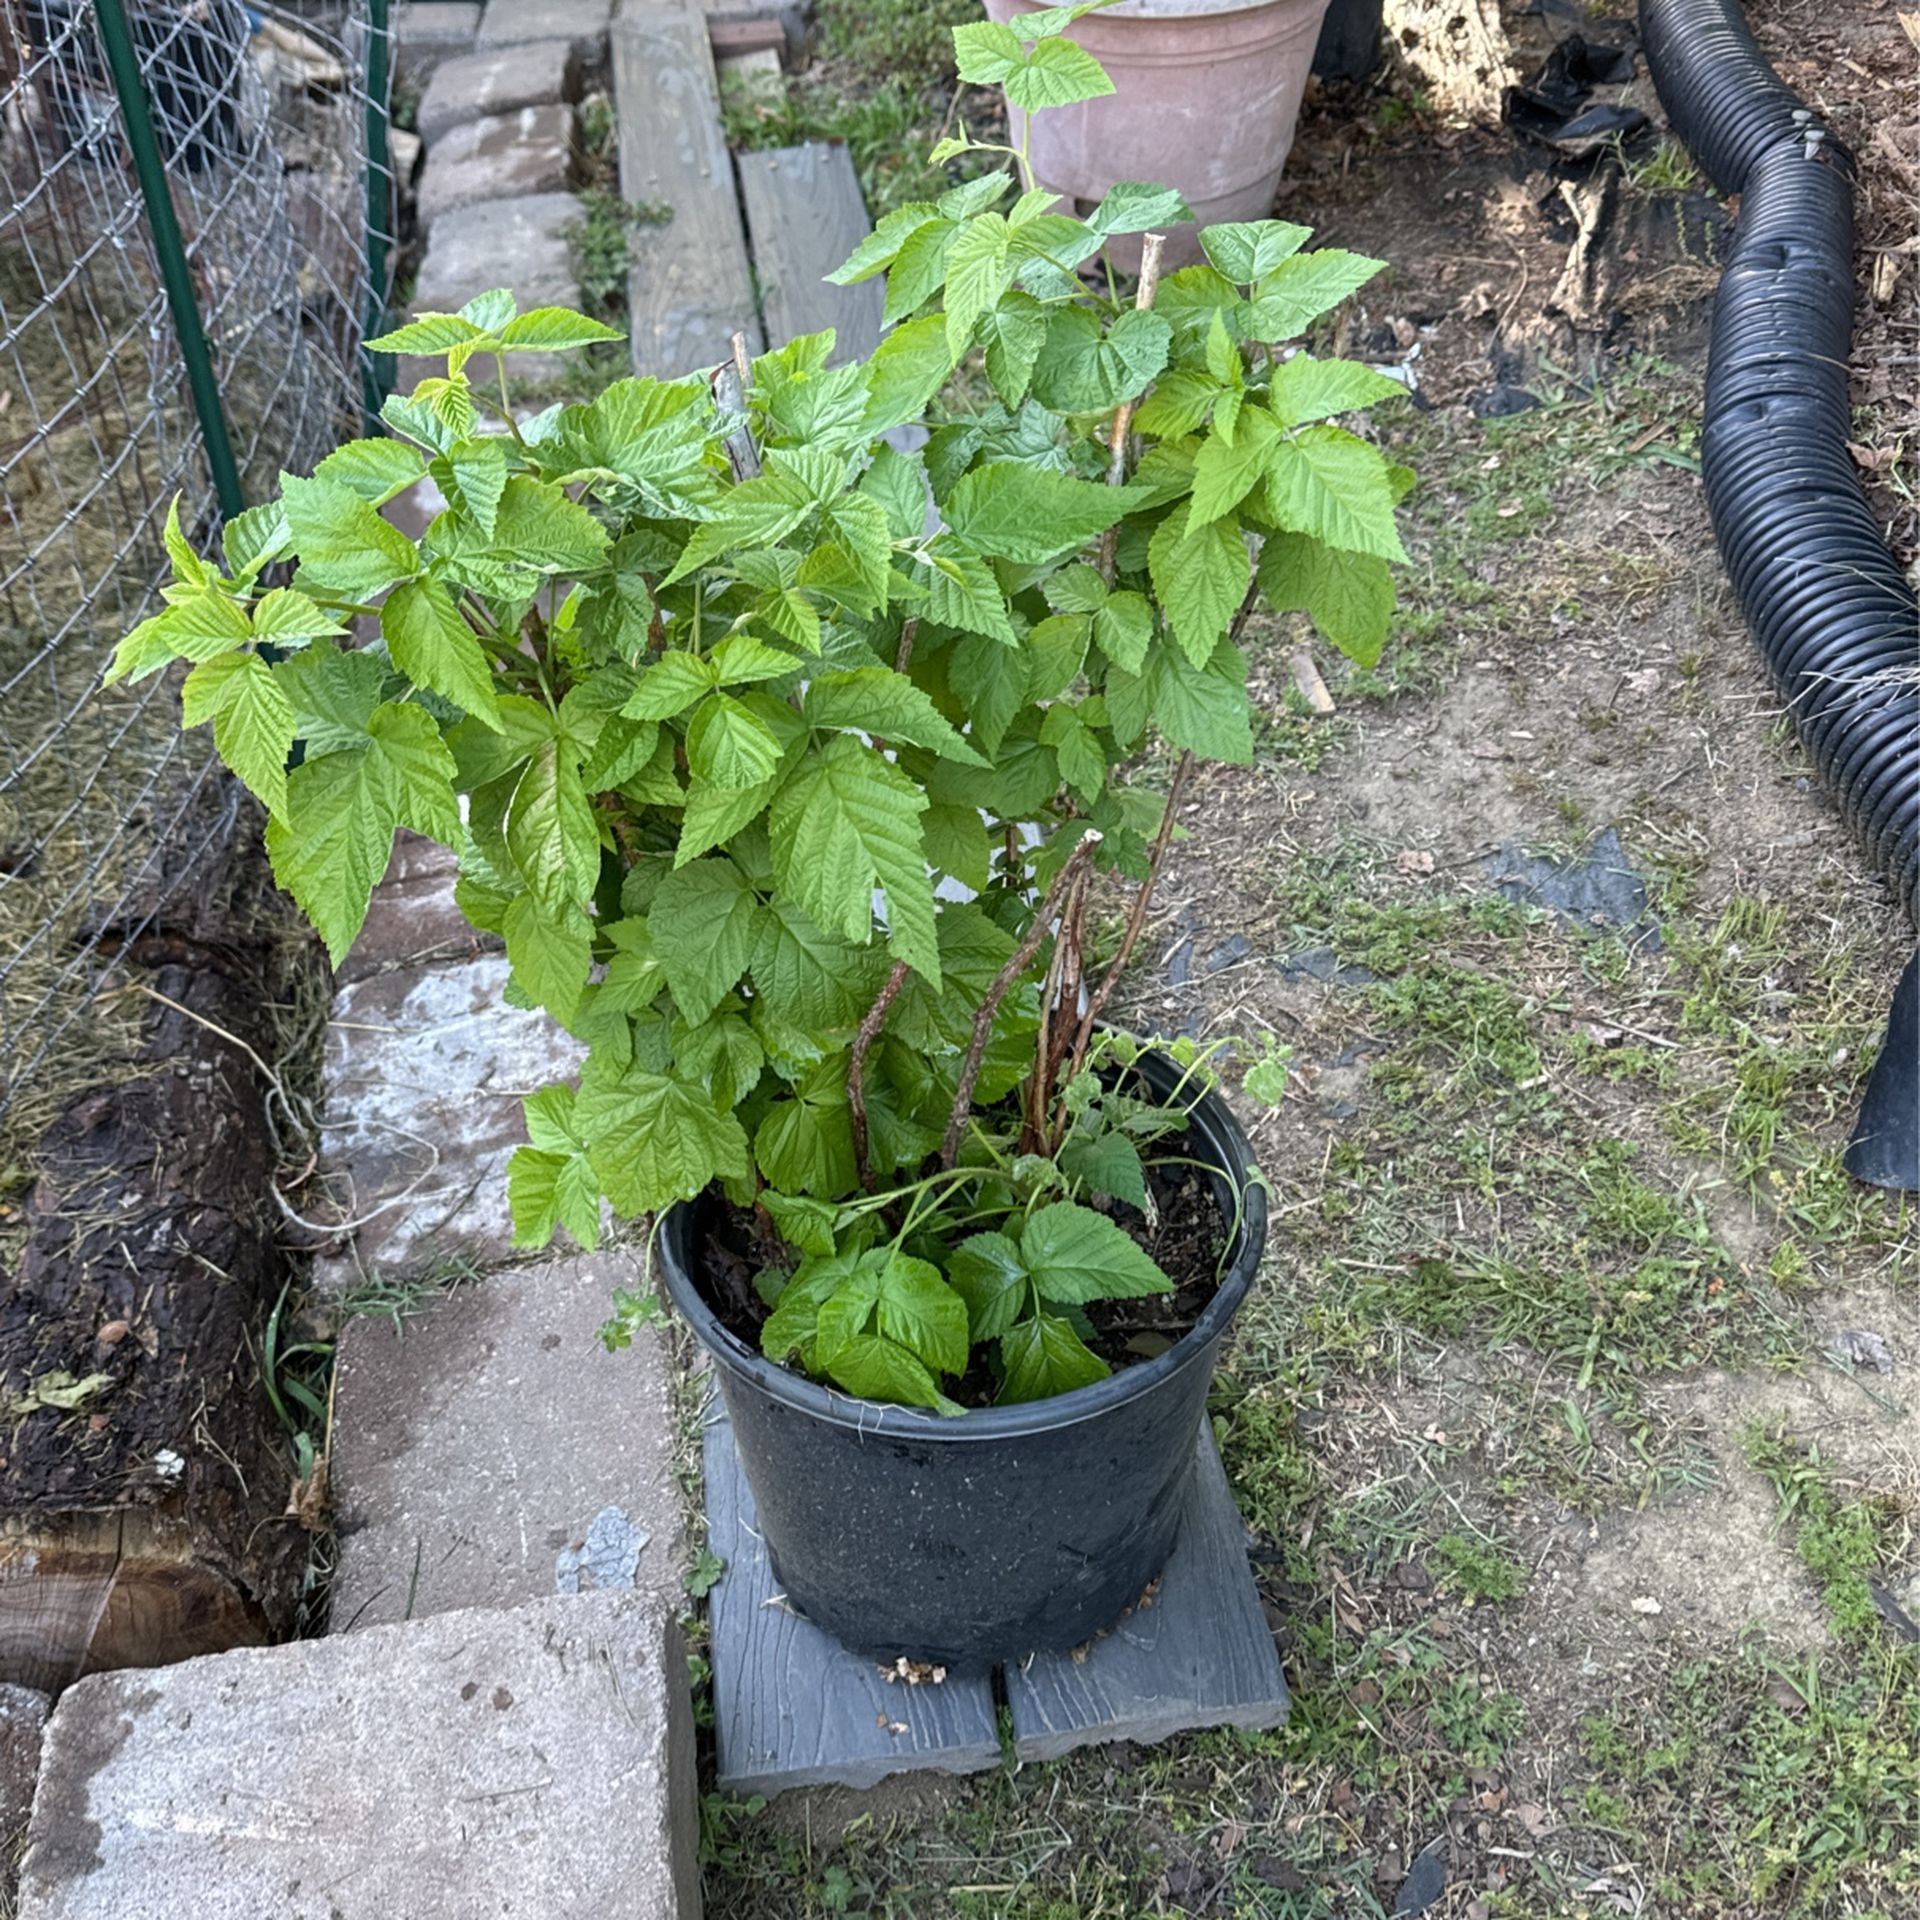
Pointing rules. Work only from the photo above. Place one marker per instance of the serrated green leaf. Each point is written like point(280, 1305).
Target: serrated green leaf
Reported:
point(1057, 73)
point(436, 649)
point(917, 1308)
point(1056, 650)
point(724, 1053)
point(283, 618)
point(882, 246)
point(1350, 596)
point(1330, 483)
point(1304, 389)
point(872, 1368)
point(812, 980)
point(550, 829)
point(845, 822)
point(1247, 250)
point(1042, 1357)
point(250, 539)
point(1076, 1255)
point(624, 749)
point(1015, 330)
point(1181, 400)
point(553, 330)
point(334, 693)
point(1298, 291)
point(547, 1190)
point(1109, 1163)
point(962, 591)
point(372, 470)
point(419, 768)
point(886, 705)
point(1201, 575)
point(978, 273)
point(1137, 206)
point(918, 269)
point(197, 628)
point(1084, 368)
point(670, 686)
point(1083, 765)
point(1205, 708)
point(907, 369)
point(491, 310)
point(986, 52)
point(252, 720)
point(805, 1223)
point(704, 923)
point(992, 679)
point(1123, 629)
point(550, 953)
point(1011, 511)
point(342, 542)
point(1075, 589)
point(987, 1272)
point(479, 469)
point(957, 842)
point(1223, 475)
point(653, 1140)
point(806, 1141)
point(715, 814)
point(730, 746)
point(428, 333)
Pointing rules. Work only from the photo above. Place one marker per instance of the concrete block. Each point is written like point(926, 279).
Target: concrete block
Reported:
point(23, 1719)
point(425, 1072)
point(439, 25)
point(584, 22)
point(498, 80)
point(489, 1450)
point(501, 157)
point(533, 1765)
point(520, 243)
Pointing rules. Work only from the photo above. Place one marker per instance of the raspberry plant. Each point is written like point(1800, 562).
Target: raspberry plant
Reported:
point(782, 757)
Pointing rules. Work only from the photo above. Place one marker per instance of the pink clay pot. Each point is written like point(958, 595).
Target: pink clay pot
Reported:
point(1206, 93)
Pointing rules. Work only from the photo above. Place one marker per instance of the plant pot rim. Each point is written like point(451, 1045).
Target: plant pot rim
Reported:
point(1155, 10)
point(989, 1424)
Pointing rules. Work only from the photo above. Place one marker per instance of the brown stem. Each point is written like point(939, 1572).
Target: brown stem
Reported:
point(909, 628)
point(1058, 999)
point(1017, 964)
point(1136, 919)
point(730, 382)
point(857, 1069)
point(1143, 298)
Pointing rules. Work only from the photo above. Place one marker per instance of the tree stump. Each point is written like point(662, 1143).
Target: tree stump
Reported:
point(143, 1479)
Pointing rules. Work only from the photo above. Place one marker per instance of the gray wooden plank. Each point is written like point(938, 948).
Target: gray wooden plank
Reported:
point(690, 289)
point(1199, 1656)
point(804, 216)
point(793, 1708)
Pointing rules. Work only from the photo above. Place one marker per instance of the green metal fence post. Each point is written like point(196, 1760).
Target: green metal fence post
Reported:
point(171, 253)
point(376, 369)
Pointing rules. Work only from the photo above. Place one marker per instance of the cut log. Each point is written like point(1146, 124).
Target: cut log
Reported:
point(143, 1480)
point(1460, 51)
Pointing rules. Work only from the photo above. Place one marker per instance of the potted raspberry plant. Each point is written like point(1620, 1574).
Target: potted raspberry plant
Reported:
point(788, 765)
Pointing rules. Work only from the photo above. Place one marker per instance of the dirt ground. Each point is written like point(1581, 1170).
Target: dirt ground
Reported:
point(1577, 1421)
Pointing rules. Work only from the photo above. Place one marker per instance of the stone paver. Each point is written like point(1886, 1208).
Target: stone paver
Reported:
point(419, 1064)
point(23, 1718)
point(520, 243)
point(498, 80)
point(489, 1450)
point(413, 918)
point(502, 156)
point(582, 21)
point(536, 1764)
point(437, 25)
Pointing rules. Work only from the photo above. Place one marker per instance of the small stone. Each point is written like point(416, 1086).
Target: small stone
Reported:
point(113, 1333)
point(498, 80)
point(503, 156)
point(1646, 1604)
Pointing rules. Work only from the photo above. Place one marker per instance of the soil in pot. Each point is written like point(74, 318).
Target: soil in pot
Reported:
point(1185, 1235)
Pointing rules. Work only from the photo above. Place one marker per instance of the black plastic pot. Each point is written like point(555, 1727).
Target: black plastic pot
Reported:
point(972, 1540)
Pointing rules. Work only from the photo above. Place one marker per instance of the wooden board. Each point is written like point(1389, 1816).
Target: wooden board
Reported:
point(690, 289)
point(1199, 1655)
point(804, 216)
point(793, 1708)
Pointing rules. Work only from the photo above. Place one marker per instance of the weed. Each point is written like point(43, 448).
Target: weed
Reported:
point(1475, 1569)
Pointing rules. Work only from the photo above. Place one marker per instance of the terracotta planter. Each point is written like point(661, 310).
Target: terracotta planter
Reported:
point(1206, 96)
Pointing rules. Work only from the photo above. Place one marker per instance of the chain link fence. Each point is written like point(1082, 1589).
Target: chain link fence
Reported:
point(269, 208)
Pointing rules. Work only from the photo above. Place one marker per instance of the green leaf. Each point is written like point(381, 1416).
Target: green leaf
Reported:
point(1076, 589)
point(553, 330)
point(978, 273)
point(334, 693)
point(252, 720)
point(653, 1140)
point(956, 840)
point(1083, 765)
point(805, 1223)
point(1247, 250)
point(550, 829)
point(724, 1053)
point(1181, 400)
point(730, 746)
point(479, 469)
point(1123, 629)
point(670, 686)
point(704, 922)
point(899, 482)
point(551, 954)
point(846, 821)
point(1349, 595)
point(491, 310)
point(846, 1313)
point(1016, 330)
point(1057, 73)
point(790, 1327)
point(987, 1272)
point(1076, 1255)
point(250, 539)
point(973, 196)
point(1083, 369)
point(919, 1310)
point(374, 470)
point(986, 52)
point(1028, 514)
point(882, 246)
point(1201, 575)
point(428, 333)
point(716, 814)
point(1304, 389)
point(624, 750)
point(1330, 483)
point(1056, 650)
point(886, 705)
point(635, 974)
point(871, 1368)
point(547, 1190)
point(810, 979)
point(962, 591)
point(1205, 708)
point(1224, 475)
point(283, 618)
point(1042, 1357)
point(1297, 292)
point(907, 369)
point(419, 769)
point(1137, 206)
point(992, 679)
point(806, 1142)
point(436, 649)
point(1109, 1163)
point(342, 542)
point(918, 270)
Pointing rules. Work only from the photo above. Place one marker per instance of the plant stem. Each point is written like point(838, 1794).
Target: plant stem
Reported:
point(1144, 295)
point(857, 1068)
point(1017, 964)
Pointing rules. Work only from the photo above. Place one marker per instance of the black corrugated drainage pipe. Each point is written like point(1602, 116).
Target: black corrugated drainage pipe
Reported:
point(1827, 603)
